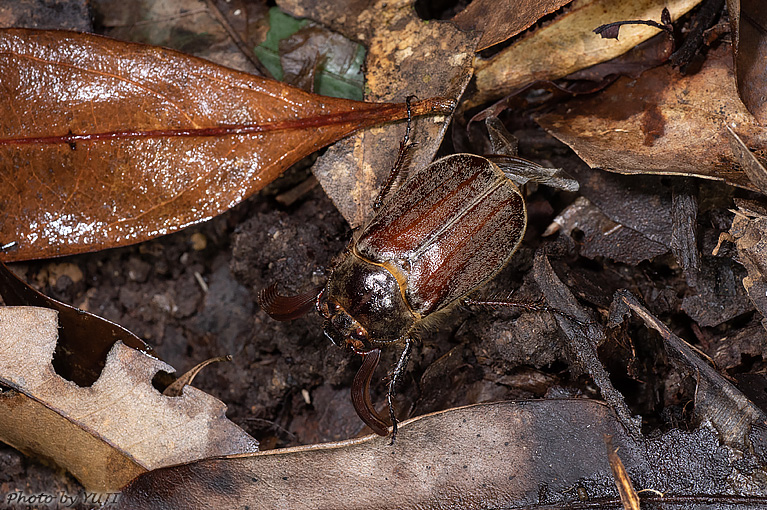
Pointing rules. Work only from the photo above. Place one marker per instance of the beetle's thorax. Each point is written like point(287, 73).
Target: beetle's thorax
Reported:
point(364, 305)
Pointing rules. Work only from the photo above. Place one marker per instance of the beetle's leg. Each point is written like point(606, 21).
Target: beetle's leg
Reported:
point(532, 307)
point(398, 371)
point(400, 164)
point(526, 306)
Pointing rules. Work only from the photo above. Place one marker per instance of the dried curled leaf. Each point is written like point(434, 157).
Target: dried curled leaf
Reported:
point(663, 123)
point(568, 44)
point(105, 143)
point(110, 432)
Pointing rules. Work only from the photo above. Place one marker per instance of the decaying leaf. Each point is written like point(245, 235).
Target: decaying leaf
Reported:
point(117, 428)
point(716, 399)
point(569, 44)
point(171, 23)
point(123, 142)
point(406, 56)
point(584, 336)
point(603, 237)
point(42, 15)
point(749, 232)
point(663, 123)
point(307, 55)
point(531, 454)
point(749, 28)
point(500, 20)
point(84, 339)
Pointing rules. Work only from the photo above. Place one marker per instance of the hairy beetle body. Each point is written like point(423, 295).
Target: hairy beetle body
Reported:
point(445, 232)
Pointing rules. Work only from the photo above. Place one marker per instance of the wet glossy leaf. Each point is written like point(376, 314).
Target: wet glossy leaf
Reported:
point(113, 430)
point(105, 143)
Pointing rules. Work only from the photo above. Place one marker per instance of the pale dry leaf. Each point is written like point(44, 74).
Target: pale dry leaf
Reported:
point(569, 44)
point(113, 430)
point(406, 56)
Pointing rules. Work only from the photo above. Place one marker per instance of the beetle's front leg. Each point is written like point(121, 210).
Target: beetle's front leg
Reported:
point(401, 162)
point(398, 371)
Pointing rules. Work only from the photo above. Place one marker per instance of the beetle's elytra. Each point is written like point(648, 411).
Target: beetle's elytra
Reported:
point(444, 232)
point(440, 236)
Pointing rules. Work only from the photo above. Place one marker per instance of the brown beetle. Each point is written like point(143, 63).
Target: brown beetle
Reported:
point(443, 233)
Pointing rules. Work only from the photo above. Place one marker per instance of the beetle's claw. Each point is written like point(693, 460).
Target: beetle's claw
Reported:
point(393, 418)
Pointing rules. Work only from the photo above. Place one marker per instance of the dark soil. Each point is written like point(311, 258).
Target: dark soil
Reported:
point(288, 385)
point(191, 295)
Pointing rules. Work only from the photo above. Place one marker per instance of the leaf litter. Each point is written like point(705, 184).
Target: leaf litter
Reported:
point(497, 354)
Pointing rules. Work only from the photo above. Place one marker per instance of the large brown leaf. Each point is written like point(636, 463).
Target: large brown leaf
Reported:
point(105, 143)
point(546, 454)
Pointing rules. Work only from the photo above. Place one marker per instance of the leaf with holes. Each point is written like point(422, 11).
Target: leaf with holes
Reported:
point(117, 428)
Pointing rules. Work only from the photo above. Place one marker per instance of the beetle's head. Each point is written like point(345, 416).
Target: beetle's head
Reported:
point(363, 305)
point(340, 327)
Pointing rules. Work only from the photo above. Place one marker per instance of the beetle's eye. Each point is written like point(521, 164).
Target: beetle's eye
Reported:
point(359, 333)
